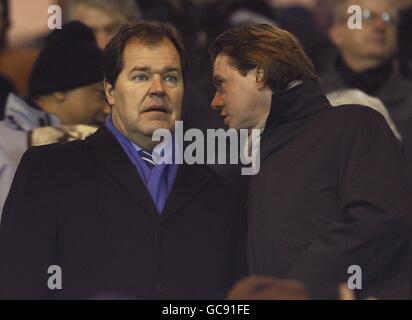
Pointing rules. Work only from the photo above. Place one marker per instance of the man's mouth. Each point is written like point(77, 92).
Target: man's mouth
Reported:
point(157, 108)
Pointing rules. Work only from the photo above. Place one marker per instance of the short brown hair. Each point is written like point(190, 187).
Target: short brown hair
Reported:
point(274, 50)
point(146, 31)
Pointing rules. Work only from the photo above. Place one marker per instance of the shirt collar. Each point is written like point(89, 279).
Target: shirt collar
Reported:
point(162, 150)
point(162, 153)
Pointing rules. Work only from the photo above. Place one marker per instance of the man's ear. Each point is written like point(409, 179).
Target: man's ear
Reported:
point(260, 78)
point(109, 91)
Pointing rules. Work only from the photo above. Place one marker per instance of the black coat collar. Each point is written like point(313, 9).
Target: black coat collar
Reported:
point(287, 110)
point(297, 103)
point(189, 180)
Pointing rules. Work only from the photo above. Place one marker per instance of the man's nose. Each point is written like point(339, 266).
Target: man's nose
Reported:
point(379, 23)
point(157, 88)
point(217, 101)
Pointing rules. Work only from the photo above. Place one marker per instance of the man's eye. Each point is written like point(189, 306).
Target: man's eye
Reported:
point(171, 79)
point(140, 77)
point(218, 84)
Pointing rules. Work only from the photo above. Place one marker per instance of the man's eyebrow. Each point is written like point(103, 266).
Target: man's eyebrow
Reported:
point(170, 69)
point(161, 71)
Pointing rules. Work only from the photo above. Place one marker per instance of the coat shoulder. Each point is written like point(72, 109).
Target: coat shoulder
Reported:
point(351, 115)
point(54, 154)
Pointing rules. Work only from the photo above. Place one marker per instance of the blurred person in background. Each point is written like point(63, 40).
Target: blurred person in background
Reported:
point(368, 61)
point(65, 88)
point(355, 96)
point(104, 17)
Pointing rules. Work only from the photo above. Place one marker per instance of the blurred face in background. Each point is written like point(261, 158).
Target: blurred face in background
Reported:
point(104, 24)
point(85, 105)
point(376, 42)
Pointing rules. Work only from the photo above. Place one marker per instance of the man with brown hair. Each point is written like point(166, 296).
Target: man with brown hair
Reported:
point(114, 219)
point(331, 195)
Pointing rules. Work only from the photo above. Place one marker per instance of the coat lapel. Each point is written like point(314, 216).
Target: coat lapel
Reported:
point(189, 182)
point(111, 155)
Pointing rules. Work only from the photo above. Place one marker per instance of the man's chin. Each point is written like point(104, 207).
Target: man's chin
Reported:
point(379, 54)
point(229, 124)
point(149, 130)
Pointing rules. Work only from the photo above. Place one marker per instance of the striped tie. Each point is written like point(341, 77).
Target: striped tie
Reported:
point(147, 158)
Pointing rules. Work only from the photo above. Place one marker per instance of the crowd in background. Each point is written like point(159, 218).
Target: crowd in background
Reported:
point(56, 92)
point(201, 21)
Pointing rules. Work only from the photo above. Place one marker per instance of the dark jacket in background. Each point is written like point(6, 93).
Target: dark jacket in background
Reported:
point(82, 206)
point(387, 84)
point(331, 193)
